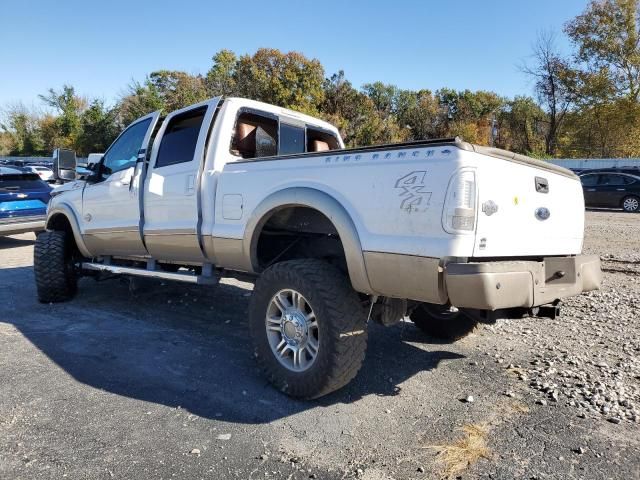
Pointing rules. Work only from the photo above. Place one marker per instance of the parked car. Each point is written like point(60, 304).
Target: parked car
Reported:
point(629, 170)
point(444, 231)
point(23, 201)
point(44, 173)
point(611, 188)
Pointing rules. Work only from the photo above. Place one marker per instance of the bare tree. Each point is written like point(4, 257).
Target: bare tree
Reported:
point(554, 85)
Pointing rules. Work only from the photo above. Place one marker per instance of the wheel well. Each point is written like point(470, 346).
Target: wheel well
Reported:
point(60, 222)
point(295, 232)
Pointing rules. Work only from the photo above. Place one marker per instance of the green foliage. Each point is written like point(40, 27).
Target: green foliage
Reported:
point(606, 68)
point(98, 128)
point(287, 79)
point(69, 107)
point(143, 98)
point(22, 133)
point(608, 42)
point(220, 79)
point(522, 124)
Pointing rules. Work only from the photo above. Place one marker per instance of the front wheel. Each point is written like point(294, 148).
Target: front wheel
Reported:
point(631, 204)
point(53, 265)
point(443, 322)
point(308, 327)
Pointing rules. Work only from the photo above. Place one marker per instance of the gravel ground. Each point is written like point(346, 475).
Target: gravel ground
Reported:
point(160, 383)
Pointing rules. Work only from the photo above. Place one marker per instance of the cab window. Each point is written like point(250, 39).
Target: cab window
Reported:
point(123, 153)
point(612, 180)
point(321, 141)
point(589, 180)
point(255, 136)
point(178, 144)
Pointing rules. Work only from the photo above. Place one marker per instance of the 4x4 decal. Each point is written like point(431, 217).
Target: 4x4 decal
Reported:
point(414, 196)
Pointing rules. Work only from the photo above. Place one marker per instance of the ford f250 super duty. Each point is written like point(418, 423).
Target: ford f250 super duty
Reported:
point(443, 231)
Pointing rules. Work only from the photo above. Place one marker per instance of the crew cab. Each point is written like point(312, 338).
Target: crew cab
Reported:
point(444, 231)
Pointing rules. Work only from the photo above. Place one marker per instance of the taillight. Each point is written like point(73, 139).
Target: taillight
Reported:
point(459, 215)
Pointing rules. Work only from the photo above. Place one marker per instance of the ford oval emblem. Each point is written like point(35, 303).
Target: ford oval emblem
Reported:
point(542, 213)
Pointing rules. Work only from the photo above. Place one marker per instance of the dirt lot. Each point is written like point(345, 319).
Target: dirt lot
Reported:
point(161, 384)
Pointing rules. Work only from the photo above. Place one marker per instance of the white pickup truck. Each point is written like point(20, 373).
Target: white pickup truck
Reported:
point(443, 231)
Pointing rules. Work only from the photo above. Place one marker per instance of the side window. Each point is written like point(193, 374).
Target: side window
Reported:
point(611, 180)
point(291, 139)
point(178, 143)
point(255, 136)
point(321, 141)
point(123, 153)
point(589, 180)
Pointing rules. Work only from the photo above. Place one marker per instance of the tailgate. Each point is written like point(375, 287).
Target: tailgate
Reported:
point(527, 211)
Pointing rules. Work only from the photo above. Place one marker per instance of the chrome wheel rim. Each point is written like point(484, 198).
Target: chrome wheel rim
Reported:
point(292, 330)
point(630, 204)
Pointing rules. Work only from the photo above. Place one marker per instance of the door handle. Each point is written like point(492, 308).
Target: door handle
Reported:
point(190, 186)
point(620, 190)
point(591, 189)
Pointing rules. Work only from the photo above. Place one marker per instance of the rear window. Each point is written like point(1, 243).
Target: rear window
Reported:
point(614, 180)
point(21, 181)
point(291, 139)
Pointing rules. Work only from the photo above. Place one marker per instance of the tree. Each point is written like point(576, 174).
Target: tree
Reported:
point(383, 96)
point(555, 85)
point(419, 113)
point(357, 115)
point(142, 99)
point(22, 136)
point(470, 115)
point(608, 42)
point(177, 89)
point(165, 90)
point(220, 79)
point(606, 119)
point(69, 108)
point(289, 80)
point(521, 126)
point(98, 128)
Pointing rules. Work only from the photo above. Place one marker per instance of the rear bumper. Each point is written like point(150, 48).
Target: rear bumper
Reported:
point(510, 284)
point(16, 225)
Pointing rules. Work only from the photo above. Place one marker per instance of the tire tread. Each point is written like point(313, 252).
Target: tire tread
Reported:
point(54, 281)
point(348, 332)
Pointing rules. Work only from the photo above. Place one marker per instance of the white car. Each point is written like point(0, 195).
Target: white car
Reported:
point(444, 231)
point(44, 173)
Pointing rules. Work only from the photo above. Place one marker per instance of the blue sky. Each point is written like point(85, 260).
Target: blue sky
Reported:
point(100, 47)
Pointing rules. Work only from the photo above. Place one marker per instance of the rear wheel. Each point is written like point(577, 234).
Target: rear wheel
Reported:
point(308, 327)
point(443, 322)
point(631, 204)
point(53, 265)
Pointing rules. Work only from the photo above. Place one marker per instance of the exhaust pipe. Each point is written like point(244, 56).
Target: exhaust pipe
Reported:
point(546, 311)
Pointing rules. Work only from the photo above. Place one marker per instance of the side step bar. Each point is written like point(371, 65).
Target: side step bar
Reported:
point(142, 272)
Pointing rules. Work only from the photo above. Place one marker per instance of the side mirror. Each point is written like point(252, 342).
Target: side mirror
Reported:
point(93, 160)
point(64, 165)
point(91, 171)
